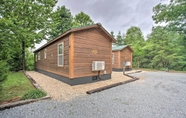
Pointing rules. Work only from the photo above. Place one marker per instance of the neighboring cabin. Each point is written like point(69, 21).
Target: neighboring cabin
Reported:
point(120, 55)
point(69, 57)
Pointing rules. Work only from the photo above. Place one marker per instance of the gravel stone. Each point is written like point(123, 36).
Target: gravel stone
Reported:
point(155, 95)
point(62, 91)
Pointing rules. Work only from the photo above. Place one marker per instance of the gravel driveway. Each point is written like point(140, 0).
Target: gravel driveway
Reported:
point(155, 95)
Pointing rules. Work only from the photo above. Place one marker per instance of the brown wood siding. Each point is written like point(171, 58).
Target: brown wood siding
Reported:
point(125, 55)
point(71, 55)
point(120, 57)
point(50, 64)
point(90, 45)
point(116, 59)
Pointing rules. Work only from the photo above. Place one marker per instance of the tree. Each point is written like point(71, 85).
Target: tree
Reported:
point(163, 48)
point(133, 35)
point(120, 39)
point(134, 38)
point(29, 60)
point(10, 51)
point(173, 14)
point(112, 34)
point(60, 22)
point(82, 19)
point(24, 22)
point(3, 71)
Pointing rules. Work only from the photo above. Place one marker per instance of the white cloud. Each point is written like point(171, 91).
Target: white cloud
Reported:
point(116, 15)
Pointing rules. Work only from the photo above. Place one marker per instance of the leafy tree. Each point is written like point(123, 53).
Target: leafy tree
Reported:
point(120, 39)
point(60, 22)
point(134, 38)
point(29, 60)
point(133, 35)
point(24, 22)
point(82, 19)
point(14, 60)
point(163, 48)
point(172, 14)
point(138, 54)
point(10, 52)
point(3, 71)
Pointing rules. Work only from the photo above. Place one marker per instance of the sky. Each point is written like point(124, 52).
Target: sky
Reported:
point(115, 15)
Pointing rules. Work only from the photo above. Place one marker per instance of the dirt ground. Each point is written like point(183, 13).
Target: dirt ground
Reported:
point(62, 91)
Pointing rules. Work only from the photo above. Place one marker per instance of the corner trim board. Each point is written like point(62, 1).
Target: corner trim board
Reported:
point(71, 55)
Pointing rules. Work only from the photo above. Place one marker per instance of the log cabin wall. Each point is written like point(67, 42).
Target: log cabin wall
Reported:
point(82, 46)
point(91, 45)
point(50, 64)
point(116, 59)
point(126, 55)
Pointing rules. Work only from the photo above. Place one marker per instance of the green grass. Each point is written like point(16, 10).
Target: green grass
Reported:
point(162, 69)
point(33, 94)
point(14, 86)
point(145, 69)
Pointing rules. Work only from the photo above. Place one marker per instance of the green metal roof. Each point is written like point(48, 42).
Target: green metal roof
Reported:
point(114, 48)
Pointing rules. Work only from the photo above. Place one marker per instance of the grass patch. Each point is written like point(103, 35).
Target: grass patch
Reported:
point(14, 86)
point(33, 94)
point(145, 69)
point(162, 69)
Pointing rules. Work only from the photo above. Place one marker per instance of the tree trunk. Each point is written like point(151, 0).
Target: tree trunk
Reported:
point(138, 62)
point(23, 55)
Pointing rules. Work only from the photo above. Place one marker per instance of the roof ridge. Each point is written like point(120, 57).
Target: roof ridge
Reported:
point(76, 29)
point(120, 47)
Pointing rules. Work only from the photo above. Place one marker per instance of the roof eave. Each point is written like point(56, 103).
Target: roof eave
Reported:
point(116, 50)
point(129, 48)
point(52, 41)
point(113, 40)
point(74, 30)
point(124, 48)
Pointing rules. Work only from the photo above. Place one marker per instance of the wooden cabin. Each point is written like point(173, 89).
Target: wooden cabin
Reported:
point(70, 56)
point(121, 55)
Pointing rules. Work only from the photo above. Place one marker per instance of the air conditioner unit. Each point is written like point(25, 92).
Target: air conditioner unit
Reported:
point(128, 63)
point(98, 65)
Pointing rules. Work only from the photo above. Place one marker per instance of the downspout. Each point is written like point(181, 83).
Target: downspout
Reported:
point(34, 61)
point(99, 76)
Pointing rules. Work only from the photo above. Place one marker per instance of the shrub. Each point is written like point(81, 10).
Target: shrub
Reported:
point(29, 60)
point(3, 70)
point(33, 94)
point(14, 61)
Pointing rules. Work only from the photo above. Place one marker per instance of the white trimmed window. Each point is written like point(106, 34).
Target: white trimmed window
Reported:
point(61, 54)
point(45, 54)
point(112, 58)
point(38, 55)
